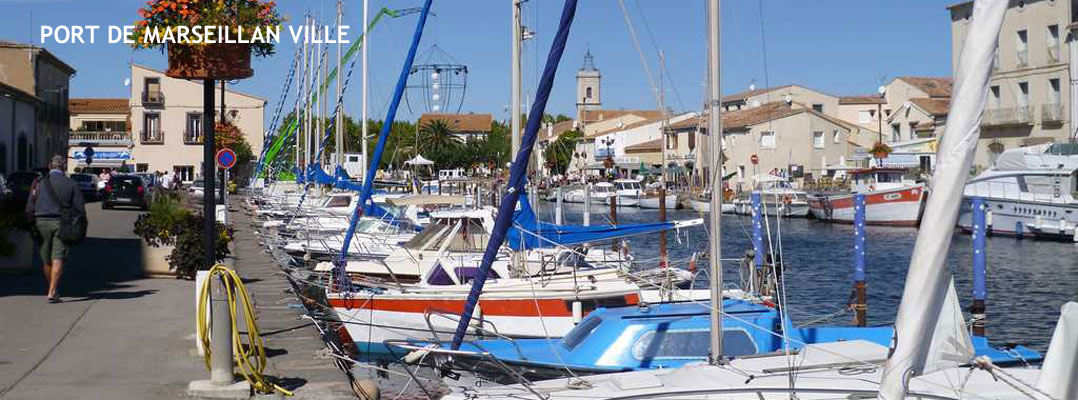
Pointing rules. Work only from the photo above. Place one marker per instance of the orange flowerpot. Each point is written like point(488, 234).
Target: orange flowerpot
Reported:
point(216, 61)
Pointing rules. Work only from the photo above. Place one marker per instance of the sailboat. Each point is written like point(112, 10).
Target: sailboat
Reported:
point(932, 353)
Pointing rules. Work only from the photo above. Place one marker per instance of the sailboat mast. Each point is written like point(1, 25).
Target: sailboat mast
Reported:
point(714, 127)
point(515, 100)
point(338, 134)
point(662, 151)
point(306, 96)
point(927, 280)
point(363, 114)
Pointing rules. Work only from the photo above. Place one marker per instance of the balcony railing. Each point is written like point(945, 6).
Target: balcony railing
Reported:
point(192, 137)
point(100, 137)
point(1051, 112)
point(1008, 116)
point(152, 137)
point(153, 98)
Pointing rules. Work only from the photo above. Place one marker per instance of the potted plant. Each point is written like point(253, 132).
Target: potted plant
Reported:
point(173, 238)
point(194, 59)
point(880, 150)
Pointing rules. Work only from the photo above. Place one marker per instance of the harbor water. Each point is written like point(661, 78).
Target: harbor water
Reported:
point(1028, 280)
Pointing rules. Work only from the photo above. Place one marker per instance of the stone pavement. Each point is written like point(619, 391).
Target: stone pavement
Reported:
point(293, 344)
point(115, 336)
point(119, 336)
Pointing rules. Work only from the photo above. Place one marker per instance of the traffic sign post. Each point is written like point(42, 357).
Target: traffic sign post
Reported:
point(226, 158)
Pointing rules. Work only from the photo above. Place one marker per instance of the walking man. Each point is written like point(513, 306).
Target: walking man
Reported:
point(50, 194)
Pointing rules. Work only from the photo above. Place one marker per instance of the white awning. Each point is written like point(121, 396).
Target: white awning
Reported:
point(419, 160)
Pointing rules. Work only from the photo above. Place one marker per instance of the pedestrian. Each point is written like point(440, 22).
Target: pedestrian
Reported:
point(49, 197)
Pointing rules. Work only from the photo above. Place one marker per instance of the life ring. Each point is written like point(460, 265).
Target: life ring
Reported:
point(872, 188)
point(787, 199)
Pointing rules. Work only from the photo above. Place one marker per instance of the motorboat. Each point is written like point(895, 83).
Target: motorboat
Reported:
point(891, 198)
point(1030, 191)
point(628, 192)
point(778, 198)
point(662, 336)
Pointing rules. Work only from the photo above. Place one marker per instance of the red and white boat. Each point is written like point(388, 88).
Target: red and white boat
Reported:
point(891, 198)
point(419, 291)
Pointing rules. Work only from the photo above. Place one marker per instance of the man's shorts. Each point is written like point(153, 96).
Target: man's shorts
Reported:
point(51, 246)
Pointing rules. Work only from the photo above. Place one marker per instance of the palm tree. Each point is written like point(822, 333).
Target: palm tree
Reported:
point(437, 139)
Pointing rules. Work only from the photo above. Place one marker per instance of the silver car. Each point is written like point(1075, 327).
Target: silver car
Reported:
point(88, 184)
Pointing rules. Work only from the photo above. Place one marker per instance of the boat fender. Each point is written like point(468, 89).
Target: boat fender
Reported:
point(1018, 229)
point(578, 312)
point(415, 356)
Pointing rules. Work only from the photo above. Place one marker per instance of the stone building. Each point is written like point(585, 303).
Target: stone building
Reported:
point(1030, 88)
point(33, 106)
point(103, 125)
point(466, 127)
point(166, 119)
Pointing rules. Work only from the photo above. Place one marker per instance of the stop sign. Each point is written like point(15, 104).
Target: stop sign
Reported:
point(754, 159)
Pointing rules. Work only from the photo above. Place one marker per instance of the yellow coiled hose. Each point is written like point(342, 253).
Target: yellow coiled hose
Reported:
point(244, 351)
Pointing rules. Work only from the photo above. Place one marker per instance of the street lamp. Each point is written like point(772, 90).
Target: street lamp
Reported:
point(609, 161)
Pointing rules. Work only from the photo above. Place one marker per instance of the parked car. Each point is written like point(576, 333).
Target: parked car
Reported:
point(5, 192)
point(87, 184)
point(196, 191)
point(125, 190)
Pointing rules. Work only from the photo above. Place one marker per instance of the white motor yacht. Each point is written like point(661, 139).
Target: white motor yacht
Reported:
point(1030, 191)
point(777, 196)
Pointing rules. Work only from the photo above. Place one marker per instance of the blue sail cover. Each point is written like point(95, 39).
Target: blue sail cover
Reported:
point(518, 169)
point(528, 232)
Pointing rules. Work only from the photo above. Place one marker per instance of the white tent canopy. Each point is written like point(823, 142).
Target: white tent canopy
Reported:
point(419, 160)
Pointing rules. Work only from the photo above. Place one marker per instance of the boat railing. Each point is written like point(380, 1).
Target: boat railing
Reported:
point(1013, 191)
point(527, 384)
point(455, 319)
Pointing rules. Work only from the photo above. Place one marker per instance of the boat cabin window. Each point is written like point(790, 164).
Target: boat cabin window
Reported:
point(338, 201)
point(573, 259)
point(1040, 184)
point(604, 188)
point(580, 332)
point(690, 344)
point(471, 236)
point(375, 226)
point(628, 185)
point(465, 275)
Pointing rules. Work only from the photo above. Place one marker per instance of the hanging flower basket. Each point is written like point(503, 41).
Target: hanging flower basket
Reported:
point(214, 53)
point(217, 61)
point(881, 150)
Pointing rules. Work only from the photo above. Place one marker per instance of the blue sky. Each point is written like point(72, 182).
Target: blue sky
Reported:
point(837, 46)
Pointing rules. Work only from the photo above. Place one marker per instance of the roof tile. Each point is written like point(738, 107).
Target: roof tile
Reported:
point(98, 106)
point(461, 122)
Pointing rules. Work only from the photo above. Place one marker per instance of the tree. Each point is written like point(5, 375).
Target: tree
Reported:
point(560, 151)
point(229, 136)
point(441, 145)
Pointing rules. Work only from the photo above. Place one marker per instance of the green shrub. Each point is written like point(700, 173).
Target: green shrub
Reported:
point(170, 224)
